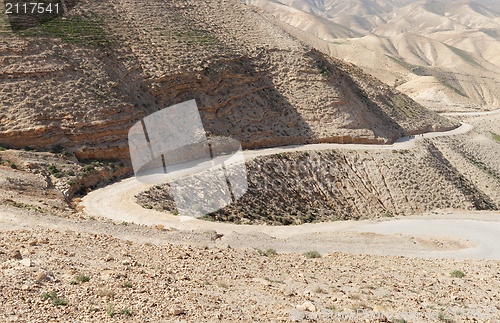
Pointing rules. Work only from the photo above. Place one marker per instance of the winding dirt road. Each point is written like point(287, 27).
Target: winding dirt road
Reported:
point(470, 235)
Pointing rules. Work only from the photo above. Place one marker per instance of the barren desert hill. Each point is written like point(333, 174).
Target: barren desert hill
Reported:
point(441, 53)
point(82, 80)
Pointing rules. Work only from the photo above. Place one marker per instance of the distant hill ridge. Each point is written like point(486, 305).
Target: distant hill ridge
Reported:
point(456, 43)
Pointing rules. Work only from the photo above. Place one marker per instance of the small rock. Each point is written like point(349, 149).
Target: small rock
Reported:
point(178, 311)
point(288, 291)
point(109, 258)
point(26, 262)
point(16, 254)
point(309, 306)
point(40, 276)
point(25, 287)
point(262, 281)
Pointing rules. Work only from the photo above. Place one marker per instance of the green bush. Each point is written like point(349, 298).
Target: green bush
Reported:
point(76, 30)
point(110, 311)
point(82, 278)
point(56, 301)
point(312, 254)
point(58, 175)
point(268, 253)
point(457, 274)
point(53, 169)
point(495, 137)
point(126, 312)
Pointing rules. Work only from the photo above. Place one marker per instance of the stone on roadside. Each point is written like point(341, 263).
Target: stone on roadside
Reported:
point(16, 254)
point(26, 262)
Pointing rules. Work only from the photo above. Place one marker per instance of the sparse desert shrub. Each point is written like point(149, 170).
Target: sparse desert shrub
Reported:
point(57, 149)
point(320, 290)
point(76, 30)
point(312, 254)
point(65, 153)
point(268, 253)
point(53, 169)
point(495, 137)
point(457, 274)
point(59, 301)
point(105, 293)
point(443, 317)
point(82, 278)
point(58, 175)
point(110, 310)
point(13, 166)
point(126, 312)
point(88, 168)
point(387, 214)
point(56, 301)
point(223, 285)
point(47, 295)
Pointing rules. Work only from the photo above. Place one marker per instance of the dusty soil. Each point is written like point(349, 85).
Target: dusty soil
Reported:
point(136, 275)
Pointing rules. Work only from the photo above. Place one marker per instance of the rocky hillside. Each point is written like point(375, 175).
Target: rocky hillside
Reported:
point(82, 81)
point(345, 186)
point(296, 188)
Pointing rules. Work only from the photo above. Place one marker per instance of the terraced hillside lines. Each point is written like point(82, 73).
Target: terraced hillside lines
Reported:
point(480, 200)
point(474, 162)
point(251, 79)
point(344, 185)
point(62, 91)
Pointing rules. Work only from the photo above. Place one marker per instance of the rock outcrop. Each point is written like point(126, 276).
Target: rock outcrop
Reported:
point(83, 81)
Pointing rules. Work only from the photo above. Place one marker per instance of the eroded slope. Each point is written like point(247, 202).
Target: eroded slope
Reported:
point(81, 82)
